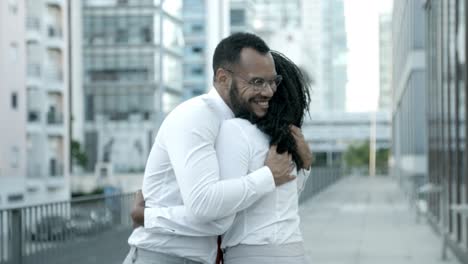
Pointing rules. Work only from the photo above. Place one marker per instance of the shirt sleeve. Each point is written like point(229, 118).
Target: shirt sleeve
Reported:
point(161, 220)
point(190, 144)
point(302, 177)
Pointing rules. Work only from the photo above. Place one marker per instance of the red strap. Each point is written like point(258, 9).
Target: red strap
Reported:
point(219, 255)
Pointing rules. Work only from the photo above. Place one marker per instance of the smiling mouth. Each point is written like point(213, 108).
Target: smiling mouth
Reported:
point(262, 103)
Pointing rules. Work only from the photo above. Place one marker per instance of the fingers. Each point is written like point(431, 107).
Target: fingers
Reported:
point(295, 130)
point(273, 149)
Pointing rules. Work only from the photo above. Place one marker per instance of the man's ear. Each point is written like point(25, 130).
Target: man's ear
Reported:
point(222, 76)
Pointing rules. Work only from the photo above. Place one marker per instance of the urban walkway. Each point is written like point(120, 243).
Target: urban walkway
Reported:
point(363, 220)
point(358, 220)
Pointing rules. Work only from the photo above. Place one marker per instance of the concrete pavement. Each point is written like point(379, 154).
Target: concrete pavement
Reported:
point(363, 220)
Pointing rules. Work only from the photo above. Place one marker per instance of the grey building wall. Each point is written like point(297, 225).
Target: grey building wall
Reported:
point(408, 115)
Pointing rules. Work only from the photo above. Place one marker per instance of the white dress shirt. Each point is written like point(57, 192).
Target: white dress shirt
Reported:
point(188, 204)
point(273, 219)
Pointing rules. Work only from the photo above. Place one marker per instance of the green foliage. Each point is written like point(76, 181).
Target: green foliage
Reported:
point(357, 155)
point(78, 154)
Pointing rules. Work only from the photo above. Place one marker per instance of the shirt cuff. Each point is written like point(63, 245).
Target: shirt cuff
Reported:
point(263, 180)
point(151, 216)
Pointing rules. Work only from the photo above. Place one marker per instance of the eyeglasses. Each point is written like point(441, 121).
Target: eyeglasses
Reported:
point(259, 84)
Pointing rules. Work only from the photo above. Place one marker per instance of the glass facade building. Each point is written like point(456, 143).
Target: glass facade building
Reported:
point(447, 90)
point(195, 35)
point(132, 76)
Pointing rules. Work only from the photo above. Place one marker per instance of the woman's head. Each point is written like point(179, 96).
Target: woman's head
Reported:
point(287, 106)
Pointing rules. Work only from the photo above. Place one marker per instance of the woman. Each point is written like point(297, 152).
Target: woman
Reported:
point(268, 230)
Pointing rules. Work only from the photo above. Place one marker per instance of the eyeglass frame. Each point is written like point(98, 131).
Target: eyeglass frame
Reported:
point(260, 87)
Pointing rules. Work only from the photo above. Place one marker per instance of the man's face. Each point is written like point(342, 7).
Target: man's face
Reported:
point(244, 99)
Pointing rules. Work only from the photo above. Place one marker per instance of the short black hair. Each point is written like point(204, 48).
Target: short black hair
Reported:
point(228, 50)
point(287, 107)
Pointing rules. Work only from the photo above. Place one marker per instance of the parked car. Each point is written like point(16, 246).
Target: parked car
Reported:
point(101, 217)
point(81, 222)
point(50, 228)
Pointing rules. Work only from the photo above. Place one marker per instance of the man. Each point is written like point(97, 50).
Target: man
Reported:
point(185, 199)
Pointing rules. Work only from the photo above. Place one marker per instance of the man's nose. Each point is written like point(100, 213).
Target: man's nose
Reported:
point(268, 89)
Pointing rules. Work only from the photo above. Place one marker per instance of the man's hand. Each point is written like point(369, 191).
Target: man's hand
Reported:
point(280, 166)
point(138, 210)
point(302, 147)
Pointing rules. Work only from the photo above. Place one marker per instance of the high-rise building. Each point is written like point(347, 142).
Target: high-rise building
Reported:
point(12, 104)
point(334, 56)
point(195, 35)
point(242, 14)
point(325, 53)
point(409, 148)
point(48, 140)
point(205, 24)
point(276, 16)
point(36, 80)
point(132, 76)
point(385, 62)
point(313, 34)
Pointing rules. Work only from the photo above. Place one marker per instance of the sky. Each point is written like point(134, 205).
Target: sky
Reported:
point(362, 26)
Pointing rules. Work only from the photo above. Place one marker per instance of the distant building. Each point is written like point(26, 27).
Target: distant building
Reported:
point(35, 155)
point(242, 14)
point(13, 105)
point(385, 62)
point(326, 53)
point(132, 76)
point(330, 134)
point(206, 22)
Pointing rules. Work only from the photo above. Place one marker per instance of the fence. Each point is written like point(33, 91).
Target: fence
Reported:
point(43, 233)
point(89, 230)
point(320, 178)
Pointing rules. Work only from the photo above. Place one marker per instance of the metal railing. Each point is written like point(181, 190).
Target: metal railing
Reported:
point(60, 232)
point(320, 178)
point(51, 233)
point(54, 118)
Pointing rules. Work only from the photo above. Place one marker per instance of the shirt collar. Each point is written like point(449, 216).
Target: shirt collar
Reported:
point(220, 105)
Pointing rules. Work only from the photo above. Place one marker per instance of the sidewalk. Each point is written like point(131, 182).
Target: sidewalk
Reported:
point(363, 220)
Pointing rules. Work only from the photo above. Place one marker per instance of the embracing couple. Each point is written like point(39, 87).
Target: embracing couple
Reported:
point(227, 167)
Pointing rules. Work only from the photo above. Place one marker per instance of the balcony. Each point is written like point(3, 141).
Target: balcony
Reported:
point(54, 118)
point(33, 27)
point(55, 168)
point(53, 75)
point(54, 31)
point(54, 37)
point(34, 70)
point(55, 2)
point(34, 116)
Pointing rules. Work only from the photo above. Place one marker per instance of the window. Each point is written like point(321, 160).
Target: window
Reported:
point(14, 100)
point(15, 197)
point(197, 28)
point(121, 36)
point(237, 17)
point(13, 6)
point(14, 52)
point(197, 49)
point(15, 157)
point(197, 71)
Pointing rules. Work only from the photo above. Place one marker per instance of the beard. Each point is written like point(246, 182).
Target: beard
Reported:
point(241, 107)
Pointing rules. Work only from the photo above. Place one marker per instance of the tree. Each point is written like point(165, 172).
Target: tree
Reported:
point(77, 154)
point(357, 155)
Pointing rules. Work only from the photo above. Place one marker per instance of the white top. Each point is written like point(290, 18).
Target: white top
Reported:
point(273, 219)
point(189, 206)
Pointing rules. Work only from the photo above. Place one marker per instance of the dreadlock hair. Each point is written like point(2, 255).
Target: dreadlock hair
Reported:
point(287, 107)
